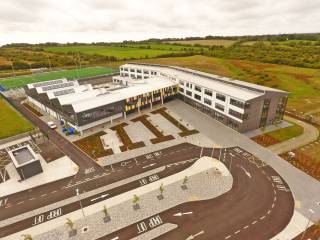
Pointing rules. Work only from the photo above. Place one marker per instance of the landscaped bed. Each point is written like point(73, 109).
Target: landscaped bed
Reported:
point(160, 137)
point(92, 145)
point(127, 142)
point(184, 130)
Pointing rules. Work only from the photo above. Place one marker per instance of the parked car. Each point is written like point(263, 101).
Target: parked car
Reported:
point(52, 125)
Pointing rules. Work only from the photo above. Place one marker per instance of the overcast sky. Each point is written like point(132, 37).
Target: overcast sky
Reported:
point(36, 21)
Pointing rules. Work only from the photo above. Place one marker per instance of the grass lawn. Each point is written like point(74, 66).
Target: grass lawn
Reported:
point(12, 123)
point(20, 81)
point(116, 51)
point(286, 133)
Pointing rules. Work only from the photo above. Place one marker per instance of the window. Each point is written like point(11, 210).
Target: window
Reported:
point(190, 85)
point(237, 103)
point(121, 69)
point(139, 76)
point(219, 107)
point(181, 89)
point(146, 77)
point(153, 73)
point(132, 75)
point(197, 88)
point(139, 71)
point(235, 113)
point(146, 72)
point(132, 70)
point(187, 84)
point(125, 69)
point(207, 101)
point(208, 92)
point(181, 82)
point(198, 97)
point(189, 93)
point(221, 97)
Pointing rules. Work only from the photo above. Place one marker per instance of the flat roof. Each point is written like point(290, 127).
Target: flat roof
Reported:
point(46, 83)
point(238, 89)
point(136, 88)
point(56, 87)
point(22, 156)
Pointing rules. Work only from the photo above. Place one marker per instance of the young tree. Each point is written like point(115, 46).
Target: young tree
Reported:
point(70, 223)
point(105, 211)
point(27, 237)
point(161, 188)
point(136, 199)
point(185, 180)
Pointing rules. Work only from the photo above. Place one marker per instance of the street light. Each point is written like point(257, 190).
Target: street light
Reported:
point(78, 194)
point(311, 213)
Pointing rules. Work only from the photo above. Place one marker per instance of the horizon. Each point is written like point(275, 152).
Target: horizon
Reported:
point(114, 21)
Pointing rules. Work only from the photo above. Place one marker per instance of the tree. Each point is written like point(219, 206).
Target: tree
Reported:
point(70, 223)
point(161, 189)
point(105, 211)
point(27, 237)
point(136, 199)
point(185, 180)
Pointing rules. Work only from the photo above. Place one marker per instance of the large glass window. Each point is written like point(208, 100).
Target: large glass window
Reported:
point(208, 92)
point(132, 70)
point(146, 72)
point(237, 103)
point(181, 82)
point(235, 113)
point(207, 101)
point(221, 97)
point(189, 93)
point(198, 97)
point(219, 106)
point(197, 88)
point(181, 89)
point(139, 71)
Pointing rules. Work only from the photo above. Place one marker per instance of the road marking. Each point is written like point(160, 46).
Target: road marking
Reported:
point(43, 195)
point(275, 198)
point(180, 214)
point(269, 212)
point(254, 222)
point(246, 227)
point(20, 203)
point(31, 199)
point(236, 232)
point(246, 172)
point(54, 191)
point(227, 237)
point(272, 205)
point(100, 197)
point(150, 165)
point(195, 235)
point(115, 238)
point(262, 217)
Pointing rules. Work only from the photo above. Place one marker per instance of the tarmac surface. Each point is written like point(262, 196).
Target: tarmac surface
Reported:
point(259, 205)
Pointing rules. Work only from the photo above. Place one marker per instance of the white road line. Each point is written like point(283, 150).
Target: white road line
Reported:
point(236, 232)
point(227, 237)
point(246, 227)
point(274, 191)
point(275, 198)
point(30, 199)
point(20, 203)
point(272, 205)
point(262, 217)
point(269, 212)
point(54, 191)
point(43, 195)
point(254, 222)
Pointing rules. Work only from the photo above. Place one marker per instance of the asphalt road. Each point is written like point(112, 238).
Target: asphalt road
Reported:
point(257, 207)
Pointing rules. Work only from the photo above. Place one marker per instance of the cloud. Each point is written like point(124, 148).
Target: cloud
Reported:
point(116, 20)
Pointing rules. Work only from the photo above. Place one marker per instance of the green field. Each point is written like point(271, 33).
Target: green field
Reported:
point(204, 42)
point(287, 133)
point(12, 123)
point(125, 52)
point(20, 81)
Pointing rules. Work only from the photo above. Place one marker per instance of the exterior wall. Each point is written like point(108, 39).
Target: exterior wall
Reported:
point(29, 170)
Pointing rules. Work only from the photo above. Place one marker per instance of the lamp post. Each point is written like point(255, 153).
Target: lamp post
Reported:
point(305, 230)
point(78, 194)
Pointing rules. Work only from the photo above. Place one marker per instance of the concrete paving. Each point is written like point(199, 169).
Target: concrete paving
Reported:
point(56, 170)
point(304, 188)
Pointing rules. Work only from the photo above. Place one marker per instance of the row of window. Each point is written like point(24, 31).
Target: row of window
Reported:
point(219, 96)
point(138, 71)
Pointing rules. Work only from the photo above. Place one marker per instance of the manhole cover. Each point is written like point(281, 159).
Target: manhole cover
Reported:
point(85, 229)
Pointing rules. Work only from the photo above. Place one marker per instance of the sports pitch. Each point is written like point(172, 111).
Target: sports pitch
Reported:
point(20, 81)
